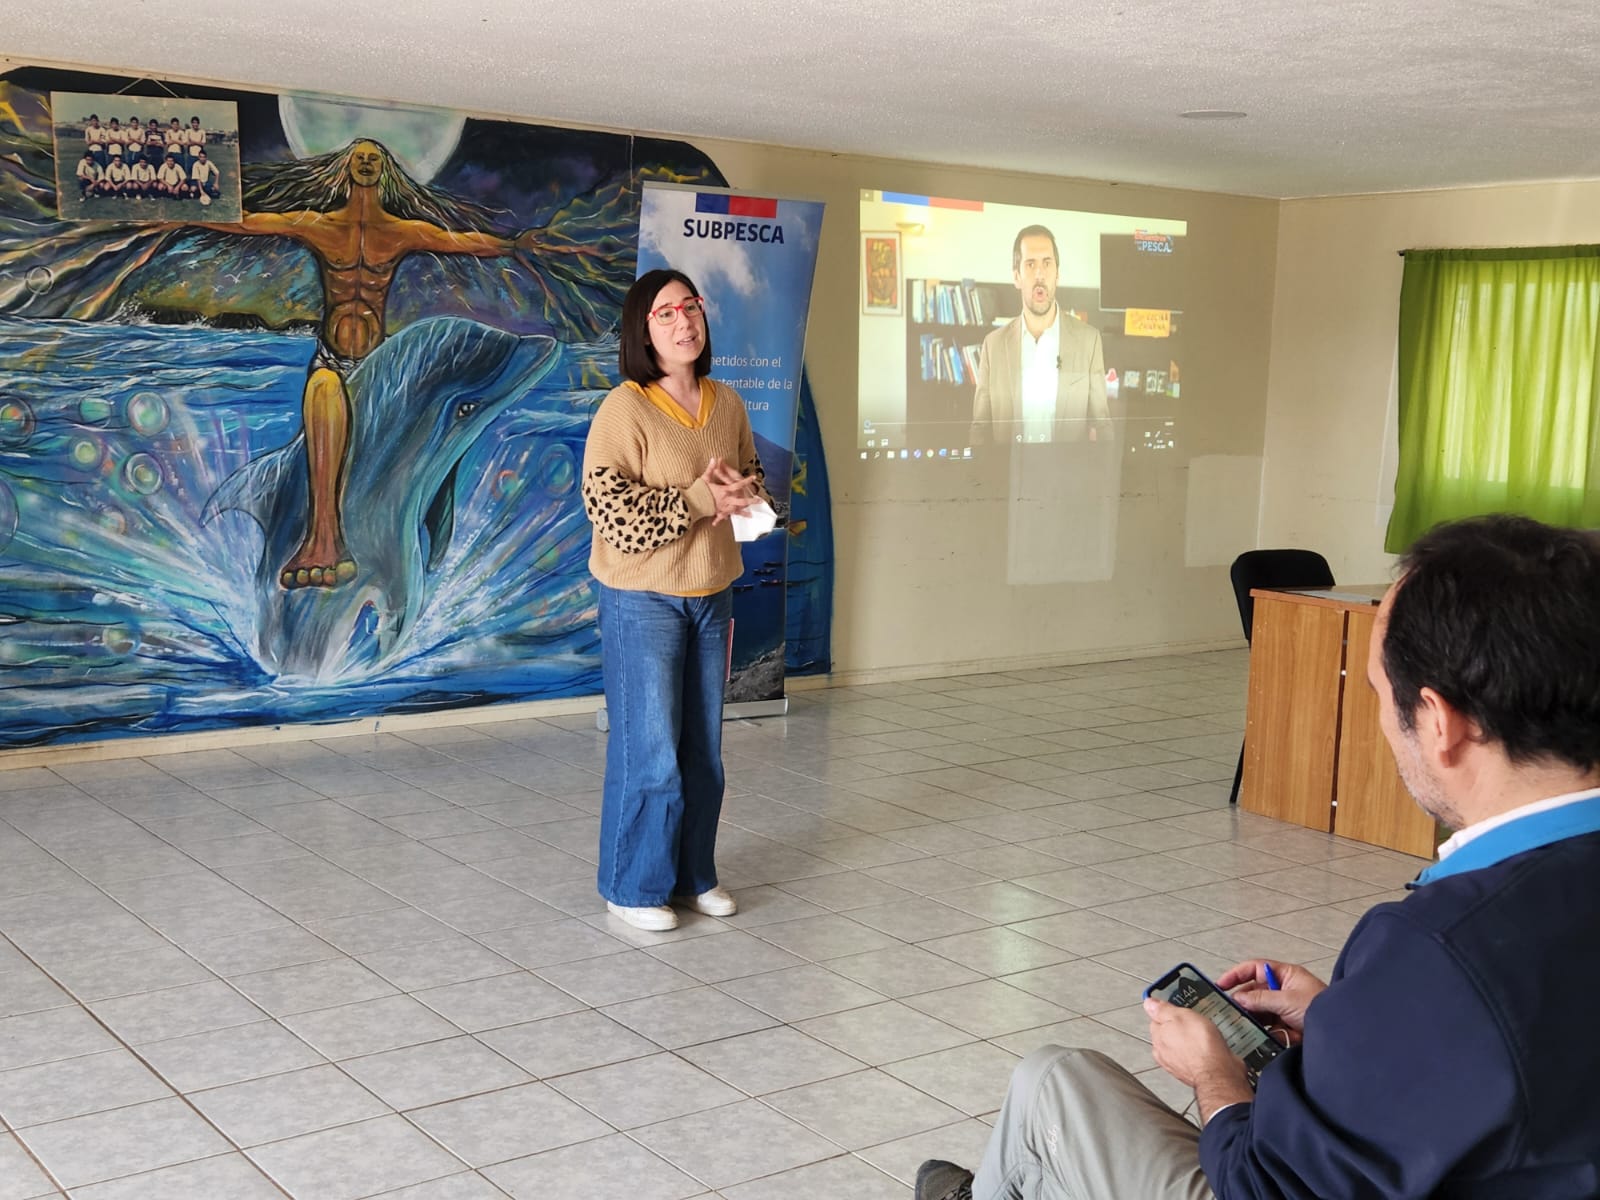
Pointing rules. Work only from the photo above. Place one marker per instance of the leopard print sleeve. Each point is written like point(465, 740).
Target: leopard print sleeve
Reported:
point(750, 463)
point(752, 466)
point(631, 517)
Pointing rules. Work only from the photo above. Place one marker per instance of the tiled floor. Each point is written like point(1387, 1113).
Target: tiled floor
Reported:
point(377, 965)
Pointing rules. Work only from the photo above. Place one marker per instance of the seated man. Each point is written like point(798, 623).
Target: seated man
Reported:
point(171, 180)
point(203, 177)
point(89, 175)
point(117, 179)
point(1450, 1054)
point(142, 179)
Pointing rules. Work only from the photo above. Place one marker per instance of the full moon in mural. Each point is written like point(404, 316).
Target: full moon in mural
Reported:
point(421, 138)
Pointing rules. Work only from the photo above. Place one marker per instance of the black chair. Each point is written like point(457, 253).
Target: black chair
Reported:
point(1271, 569)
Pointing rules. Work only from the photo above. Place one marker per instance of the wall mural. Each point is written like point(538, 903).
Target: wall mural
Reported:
point(315, 457)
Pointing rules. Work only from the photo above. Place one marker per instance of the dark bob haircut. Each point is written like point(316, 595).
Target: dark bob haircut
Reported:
point(1501, 616)
point(637, 356)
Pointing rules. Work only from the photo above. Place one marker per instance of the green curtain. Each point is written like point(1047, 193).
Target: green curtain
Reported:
point(1499, 410)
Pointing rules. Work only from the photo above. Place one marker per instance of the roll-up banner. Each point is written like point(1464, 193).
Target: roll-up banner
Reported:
point(753, 259)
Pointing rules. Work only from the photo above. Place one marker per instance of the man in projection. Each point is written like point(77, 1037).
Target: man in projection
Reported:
point(1042, 377)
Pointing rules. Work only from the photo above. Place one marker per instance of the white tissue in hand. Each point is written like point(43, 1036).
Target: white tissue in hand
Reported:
point(758, 523)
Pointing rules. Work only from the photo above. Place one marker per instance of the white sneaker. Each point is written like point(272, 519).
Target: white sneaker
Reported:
point(658, 918)
point(715, 903)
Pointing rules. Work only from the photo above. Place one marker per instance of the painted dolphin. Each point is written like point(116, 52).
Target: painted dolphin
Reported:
point(418, 402)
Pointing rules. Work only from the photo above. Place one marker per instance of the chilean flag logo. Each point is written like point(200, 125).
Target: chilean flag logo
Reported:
point(735, 206)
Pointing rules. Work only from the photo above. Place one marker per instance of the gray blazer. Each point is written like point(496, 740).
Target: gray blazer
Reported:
point(1080, 391)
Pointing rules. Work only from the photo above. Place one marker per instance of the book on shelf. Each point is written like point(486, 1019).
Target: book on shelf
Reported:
point(969, 354)
point(944, 360)
point(937, 302)
point(958, 370)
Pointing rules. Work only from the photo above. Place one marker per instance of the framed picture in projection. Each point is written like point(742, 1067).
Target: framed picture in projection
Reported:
point(880, 273)
point(143, 158)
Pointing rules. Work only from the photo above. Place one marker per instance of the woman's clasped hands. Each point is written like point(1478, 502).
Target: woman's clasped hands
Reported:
point(733, 493)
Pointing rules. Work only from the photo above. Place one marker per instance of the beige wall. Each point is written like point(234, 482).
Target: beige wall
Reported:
point(921, 554)
point(1328, 479)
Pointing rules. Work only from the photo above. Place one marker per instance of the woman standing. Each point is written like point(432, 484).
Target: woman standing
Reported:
point(659, 489)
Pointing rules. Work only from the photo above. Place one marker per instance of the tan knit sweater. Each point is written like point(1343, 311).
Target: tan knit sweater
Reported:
point(651, 512)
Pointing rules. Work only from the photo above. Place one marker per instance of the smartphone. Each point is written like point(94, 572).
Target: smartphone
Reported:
point(1247, 1038)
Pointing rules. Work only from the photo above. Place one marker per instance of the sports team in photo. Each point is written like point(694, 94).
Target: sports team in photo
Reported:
point(142, 159)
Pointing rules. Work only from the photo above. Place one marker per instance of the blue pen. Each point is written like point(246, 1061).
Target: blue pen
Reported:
point(1272, 980)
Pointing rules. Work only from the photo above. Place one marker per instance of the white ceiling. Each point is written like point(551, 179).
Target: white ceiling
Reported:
point(1343, 97)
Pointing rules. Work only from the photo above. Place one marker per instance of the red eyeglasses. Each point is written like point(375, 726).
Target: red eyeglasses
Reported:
point(692, 306)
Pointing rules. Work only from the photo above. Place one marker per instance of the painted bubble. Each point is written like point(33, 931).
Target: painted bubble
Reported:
point(40, 280)
point(94, 410)
point(8, 515)
point(557, 471)
point(111, 518)
point(148, 413)
point(506, 485)
point(142, 474)
point(16, 422)
point(85, 453)
point(120, 640)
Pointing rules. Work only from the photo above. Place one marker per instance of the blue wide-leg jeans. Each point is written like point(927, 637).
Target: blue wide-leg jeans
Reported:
point(664, 659)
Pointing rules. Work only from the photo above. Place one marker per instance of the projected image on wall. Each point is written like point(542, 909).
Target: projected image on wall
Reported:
point(986, 325)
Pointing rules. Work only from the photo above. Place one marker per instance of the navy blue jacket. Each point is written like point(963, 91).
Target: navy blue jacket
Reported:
point(1456, 1052)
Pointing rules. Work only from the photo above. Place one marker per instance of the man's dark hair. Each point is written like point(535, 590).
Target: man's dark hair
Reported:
point(637, 357)
point(1501, 616)
point(1029, 231)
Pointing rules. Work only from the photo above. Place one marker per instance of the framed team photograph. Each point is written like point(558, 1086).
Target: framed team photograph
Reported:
point(880, 273)
point(142, 158)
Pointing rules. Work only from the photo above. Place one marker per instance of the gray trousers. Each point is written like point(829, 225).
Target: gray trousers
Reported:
point(1076, 1126)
